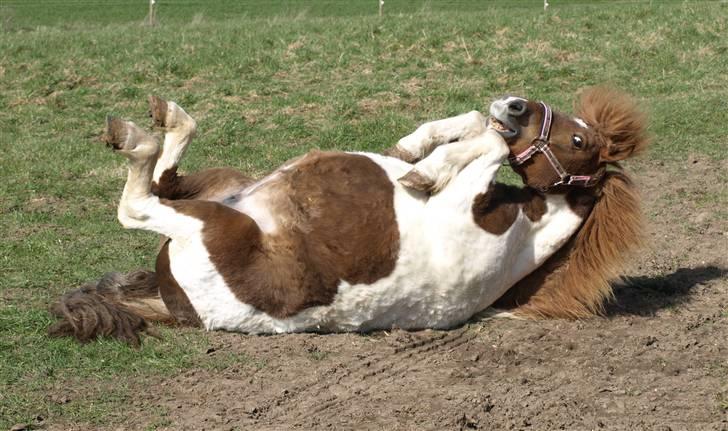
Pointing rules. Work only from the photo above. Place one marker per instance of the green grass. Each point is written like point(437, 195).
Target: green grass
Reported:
point(267, 81)
point(28, 14)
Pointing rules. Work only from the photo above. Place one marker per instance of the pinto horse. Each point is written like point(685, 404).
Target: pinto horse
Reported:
point(422, 237)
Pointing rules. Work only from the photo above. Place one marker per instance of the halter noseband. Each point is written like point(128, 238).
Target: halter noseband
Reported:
point(541, 144)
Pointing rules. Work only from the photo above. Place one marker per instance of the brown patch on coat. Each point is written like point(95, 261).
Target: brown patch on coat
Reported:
point(210, 184)
point(576, 281)
point(338, 218)
point(117, 306)
point(174, 297)
point(496, 209)
point(400, 153)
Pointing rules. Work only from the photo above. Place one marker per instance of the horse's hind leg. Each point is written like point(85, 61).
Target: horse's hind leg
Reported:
point(179, 129)
point(210, 184)
point(121, 305)
point(138, 207)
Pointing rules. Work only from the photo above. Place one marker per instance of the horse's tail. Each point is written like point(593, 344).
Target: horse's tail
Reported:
point(117, 306)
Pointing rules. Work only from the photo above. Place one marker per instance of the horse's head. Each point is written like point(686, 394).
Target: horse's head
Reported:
point(550, 149)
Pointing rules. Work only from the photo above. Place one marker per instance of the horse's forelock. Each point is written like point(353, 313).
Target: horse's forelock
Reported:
point(618, 120)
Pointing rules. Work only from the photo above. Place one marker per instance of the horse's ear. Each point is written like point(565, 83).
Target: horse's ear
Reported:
point(616, 117)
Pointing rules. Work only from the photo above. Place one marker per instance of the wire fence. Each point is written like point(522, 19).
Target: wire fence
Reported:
point(29, 13)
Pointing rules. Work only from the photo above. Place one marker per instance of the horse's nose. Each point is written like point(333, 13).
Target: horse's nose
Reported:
point(516, 107)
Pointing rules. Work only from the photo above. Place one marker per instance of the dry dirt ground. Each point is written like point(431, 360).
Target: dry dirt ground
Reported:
point(658, 360)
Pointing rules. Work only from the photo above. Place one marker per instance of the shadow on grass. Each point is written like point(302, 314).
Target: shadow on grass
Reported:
point(643, 296)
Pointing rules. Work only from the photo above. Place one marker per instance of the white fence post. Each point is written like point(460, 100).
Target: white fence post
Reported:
point(151, 12)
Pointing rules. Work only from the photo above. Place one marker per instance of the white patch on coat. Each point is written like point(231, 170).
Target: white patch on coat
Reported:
point(581, 122)
point(255, 202)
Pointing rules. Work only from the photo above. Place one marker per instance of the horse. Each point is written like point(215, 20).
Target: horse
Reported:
point(421, 236)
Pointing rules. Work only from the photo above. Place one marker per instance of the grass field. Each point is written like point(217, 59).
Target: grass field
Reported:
point(268, 80)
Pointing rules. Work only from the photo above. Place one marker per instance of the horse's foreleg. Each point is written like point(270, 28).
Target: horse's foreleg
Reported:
point(435, 171)
point(469, 168)
point(428, 136)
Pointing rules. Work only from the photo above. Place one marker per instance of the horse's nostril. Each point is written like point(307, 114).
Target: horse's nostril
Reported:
point(516, 108)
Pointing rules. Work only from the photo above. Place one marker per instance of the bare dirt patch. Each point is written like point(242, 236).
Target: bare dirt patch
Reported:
point(658, 359)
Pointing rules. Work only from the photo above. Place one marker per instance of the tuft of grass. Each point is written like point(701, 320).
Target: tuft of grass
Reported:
point(318, 355)
point(722, 402)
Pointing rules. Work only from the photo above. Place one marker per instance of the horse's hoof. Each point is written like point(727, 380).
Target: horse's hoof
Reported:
point(400, 153)
point(116, 133)
point(158, 111)
point(126, 138)
point(415, 180)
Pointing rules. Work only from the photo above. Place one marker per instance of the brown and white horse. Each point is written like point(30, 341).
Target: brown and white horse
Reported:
point(422, 238)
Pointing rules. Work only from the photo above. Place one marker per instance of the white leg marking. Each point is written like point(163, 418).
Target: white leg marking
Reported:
point(138, 207)
point(491, 150)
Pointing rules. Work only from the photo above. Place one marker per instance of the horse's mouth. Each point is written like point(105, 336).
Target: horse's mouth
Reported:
point(501, 127)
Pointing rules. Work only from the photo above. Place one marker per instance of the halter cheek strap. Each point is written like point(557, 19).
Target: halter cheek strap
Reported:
point(541, 144)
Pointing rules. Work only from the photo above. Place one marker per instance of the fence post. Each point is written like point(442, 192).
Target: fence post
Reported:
point(151, 12)
point(381, 7)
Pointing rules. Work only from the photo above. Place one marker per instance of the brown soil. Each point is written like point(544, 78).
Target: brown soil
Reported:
point(658, 360)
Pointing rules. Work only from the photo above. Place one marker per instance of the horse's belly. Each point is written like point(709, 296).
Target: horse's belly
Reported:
point(445, 274)
point(416, 298)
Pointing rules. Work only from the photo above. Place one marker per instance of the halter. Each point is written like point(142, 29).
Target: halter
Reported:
point(541, 144)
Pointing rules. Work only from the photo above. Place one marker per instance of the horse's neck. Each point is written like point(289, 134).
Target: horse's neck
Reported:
point(575, 281)
point(550, 231)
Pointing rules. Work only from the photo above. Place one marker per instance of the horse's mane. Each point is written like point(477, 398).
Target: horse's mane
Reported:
point(576, 281)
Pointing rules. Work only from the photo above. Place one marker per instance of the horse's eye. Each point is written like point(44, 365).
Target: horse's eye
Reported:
point(577, 142)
